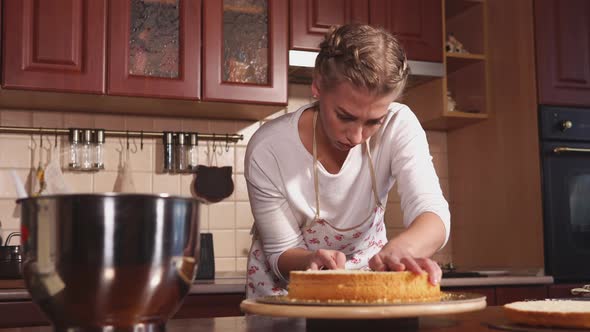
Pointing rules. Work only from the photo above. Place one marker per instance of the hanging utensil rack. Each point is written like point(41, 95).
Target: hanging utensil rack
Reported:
point(230, 138)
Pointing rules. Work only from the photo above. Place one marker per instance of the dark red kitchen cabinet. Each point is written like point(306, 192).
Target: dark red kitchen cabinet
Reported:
point(563, 290)
point(416, 23)
point(245, 51)
point(488, 291)
point(311, 19)
point(508, 294)
point(155, 48)
point(54, 45)
point(563, 51)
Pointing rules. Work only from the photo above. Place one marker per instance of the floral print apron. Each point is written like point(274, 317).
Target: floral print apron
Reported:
point(359, 243)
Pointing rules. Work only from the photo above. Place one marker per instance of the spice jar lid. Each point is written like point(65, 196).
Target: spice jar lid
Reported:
point(87, 136)
point(168, 138)
point(74, 135)
point(99, 136)
point(180, 138)
point(194, 139)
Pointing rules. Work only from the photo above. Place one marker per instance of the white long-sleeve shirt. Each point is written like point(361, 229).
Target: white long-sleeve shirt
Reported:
point(279, 175)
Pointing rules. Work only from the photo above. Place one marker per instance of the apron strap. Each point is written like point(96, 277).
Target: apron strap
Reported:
point(316, 182)
point(315, 170)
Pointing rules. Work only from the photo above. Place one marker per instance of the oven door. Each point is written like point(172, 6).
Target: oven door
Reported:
point(566, 196)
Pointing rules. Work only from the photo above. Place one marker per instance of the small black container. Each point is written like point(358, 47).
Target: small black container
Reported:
point(206, 268)
point(10, 259)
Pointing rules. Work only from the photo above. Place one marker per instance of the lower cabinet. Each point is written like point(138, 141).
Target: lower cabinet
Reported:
point(560, 291)
point(26, 313)
point(507, 294)
point(500, 295)
point(211, 305)
point(20, 314)
point(489, 292)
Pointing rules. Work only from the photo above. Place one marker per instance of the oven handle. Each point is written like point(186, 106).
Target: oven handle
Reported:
point(561, 149)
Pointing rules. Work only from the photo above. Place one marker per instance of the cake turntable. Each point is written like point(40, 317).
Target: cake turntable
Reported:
point(281, 306)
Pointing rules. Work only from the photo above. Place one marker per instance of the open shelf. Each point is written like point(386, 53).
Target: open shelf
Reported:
point(456, 61)
point(453, 120)
point(466, 76)
point(454, 7)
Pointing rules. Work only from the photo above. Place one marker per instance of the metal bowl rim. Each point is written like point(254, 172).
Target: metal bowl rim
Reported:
point(106, 195)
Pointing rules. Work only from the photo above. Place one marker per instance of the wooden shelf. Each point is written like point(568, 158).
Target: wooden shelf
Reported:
point(454, 7)
point(454, 120)
point(472, 56)
point(465, 73)
point(456, 61)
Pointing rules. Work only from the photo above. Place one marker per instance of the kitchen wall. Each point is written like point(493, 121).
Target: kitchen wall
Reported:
point(229, 220)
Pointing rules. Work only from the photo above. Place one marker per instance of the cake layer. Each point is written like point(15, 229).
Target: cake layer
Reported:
point(552, 313)
point(361, 286)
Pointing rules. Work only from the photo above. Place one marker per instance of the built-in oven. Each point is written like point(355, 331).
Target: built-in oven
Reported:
point(565, 158)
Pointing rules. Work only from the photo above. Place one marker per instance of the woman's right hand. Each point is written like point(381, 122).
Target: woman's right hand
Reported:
point(324, 259)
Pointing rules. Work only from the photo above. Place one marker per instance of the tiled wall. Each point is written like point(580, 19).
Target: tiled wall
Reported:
point(229, 220)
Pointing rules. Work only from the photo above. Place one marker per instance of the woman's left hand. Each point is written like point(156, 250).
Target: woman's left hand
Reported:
point(394, 257)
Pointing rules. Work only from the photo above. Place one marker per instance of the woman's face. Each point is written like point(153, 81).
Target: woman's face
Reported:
point(349, 115)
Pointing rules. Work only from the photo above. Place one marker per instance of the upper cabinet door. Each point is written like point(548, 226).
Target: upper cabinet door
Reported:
point(155, 48)
point(245, 51)
point(416, 23)
point(563, 52)
point(311, 19)
point(55, 45)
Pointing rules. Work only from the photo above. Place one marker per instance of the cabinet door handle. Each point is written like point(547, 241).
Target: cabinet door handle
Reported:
point(561, 149)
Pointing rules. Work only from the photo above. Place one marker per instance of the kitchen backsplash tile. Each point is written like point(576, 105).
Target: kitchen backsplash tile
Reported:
point(78, 120)
point(225, 264)
point(16, 118)
point(167, 124)
point(113, 122)
point(104, 181)
point(224, 242)
point(80, 182)
point(138, 123)
point(186, 183)
point(243, 241)
point(190, 125)
point(7, 189)
point(244, 219)
point(223, 215)
point(15, 152)
point(204, 217)
point(241, 191)
point(242, 264)
point(9, 217)
point(166, 184)
point(229, 221)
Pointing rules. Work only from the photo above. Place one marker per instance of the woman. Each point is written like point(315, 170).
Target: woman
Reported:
point(318, 178)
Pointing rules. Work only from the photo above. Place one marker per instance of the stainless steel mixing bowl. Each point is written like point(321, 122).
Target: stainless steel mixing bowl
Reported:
point(96, 262)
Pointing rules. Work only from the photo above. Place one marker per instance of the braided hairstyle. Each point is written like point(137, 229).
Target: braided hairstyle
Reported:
point(365, 56)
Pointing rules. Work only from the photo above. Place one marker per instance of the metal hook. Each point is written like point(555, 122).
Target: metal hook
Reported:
point(134, 148)
point(226, 142)
point(141, 140)
point(55, 139)
point(214, 147)
point(127, 138)
point(41, 136)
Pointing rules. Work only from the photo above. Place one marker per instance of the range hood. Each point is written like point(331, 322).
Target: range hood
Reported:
point(301, 65)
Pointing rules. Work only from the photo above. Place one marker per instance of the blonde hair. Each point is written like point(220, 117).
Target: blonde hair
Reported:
point(365, 56)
